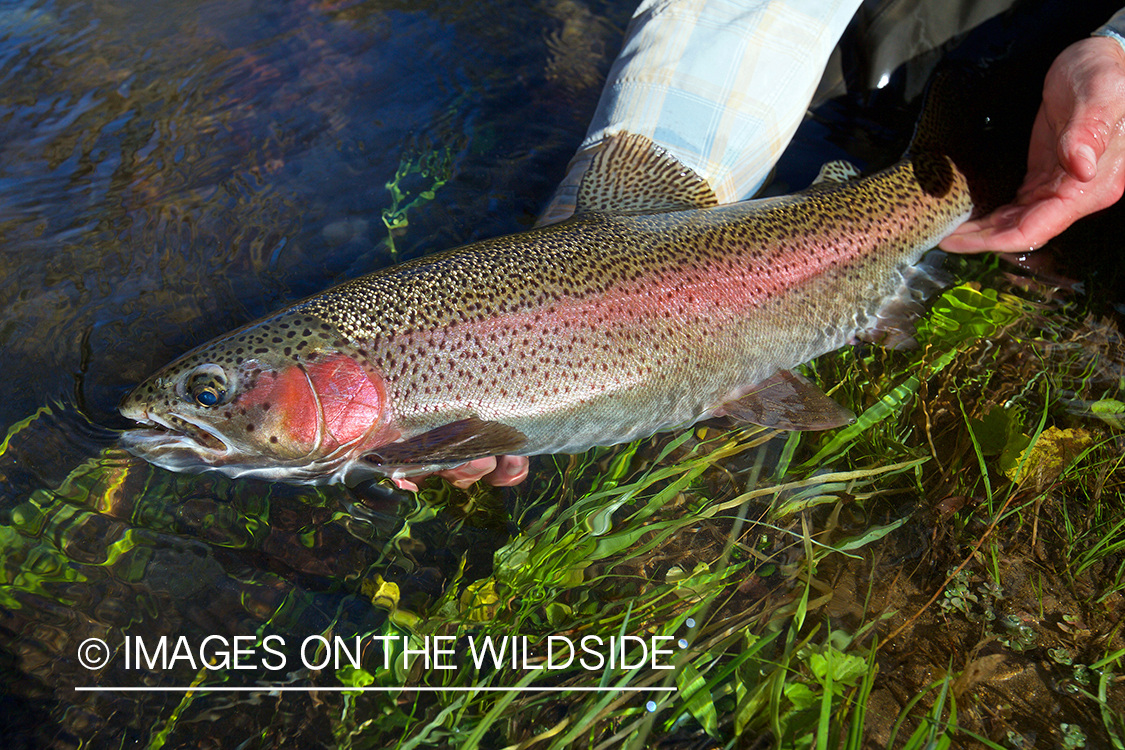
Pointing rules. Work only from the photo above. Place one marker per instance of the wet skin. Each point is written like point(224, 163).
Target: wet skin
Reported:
point(1076, 159)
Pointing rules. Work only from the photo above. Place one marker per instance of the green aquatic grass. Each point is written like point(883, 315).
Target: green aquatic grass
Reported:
point(785, 675)
point(572, 570)
point(737, 542)
point(421, 173)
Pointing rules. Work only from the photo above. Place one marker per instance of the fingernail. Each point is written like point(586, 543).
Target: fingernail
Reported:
point(465, 482)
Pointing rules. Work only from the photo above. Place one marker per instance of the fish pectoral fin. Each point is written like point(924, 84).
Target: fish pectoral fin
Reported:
point(631, 174)
point(453, 443)
point(836, 171)
point(788, 401)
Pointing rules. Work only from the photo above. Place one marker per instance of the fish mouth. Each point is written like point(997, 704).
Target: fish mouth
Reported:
point(182, 446)
point(176, 442)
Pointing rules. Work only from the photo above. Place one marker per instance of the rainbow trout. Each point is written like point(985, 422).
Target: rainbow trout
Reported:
point(651, 309)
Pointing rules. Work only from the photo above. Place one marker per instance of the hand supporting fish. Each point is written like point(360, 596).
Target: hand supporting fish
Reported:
point(498, 471)
point(1076, 159)
point(1075, 167)
point(649, 310)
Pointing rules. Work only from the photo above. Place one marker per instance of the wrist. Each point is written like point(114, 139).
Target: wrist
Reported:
point(1114, 29)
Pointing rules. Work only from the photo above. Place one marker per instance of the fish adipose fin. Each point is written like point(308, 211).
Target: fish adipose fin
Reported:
point(631, 174)
point(835, 172)
point(788, 401)
point(455, 442)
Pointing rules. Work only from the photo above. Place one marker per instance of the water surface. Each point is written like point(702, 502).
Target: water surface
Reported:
point(171, 170)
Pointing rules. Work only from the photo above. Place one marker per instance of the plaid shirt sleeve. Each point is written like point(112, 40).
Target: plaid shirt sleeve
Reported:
point(720, 84)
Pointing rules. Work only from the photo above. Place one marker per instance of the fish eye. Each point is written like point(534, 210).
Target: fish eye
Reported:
point(207, 385)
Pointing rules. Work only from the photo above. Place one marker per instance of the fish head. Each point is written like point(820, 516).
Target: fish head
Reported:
point(247, 405)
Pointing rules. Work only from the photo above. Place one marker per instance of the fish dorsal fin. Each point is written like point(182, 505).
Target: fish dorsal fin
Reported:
point(788, 401)
point(836, 171)
point(892, 325)
point(455, 442)
point(631, 174)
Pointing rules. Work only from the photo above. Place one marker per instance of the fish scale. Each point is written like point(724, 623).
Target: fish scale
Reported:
point(607, 327)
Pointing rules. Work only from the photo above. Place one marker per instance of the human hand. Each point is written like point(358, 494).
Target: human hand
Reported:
point(504, 471)
point(1076, 159)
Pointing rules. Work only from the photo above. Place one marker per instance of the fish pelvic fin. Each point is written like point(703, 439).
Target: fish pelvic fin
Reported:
point(788, 401)
point(631, 174)
point(453, 443)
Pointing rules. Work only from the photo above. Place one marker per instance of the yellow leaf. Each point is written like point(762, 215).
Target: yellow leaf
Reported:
point(382, 593)
point(480, 601)
point(1049, 456)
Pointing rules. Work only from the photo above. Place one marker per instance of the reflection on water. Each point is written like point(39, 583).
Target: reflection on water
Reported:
point(117, 548)
point(168, 171)
point(171, 170)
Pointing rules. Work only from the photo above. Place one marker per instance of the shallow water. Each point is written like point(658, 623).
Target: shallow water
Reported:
point(171, 170)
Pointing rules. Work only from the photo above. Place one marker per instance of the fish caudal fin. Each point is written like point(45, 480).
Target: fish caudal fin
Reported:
point(960, 129)
point(631, 174)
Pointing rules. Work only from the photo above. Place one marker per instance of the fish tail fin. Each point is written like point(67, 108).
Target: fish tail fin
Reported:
point(943, 124)
point(958, 126)
point(892, 324)
point(982, 100)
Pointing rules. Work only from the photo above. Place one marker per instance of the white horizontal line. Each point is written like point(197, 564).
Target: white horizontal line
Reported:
point(420, 689)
